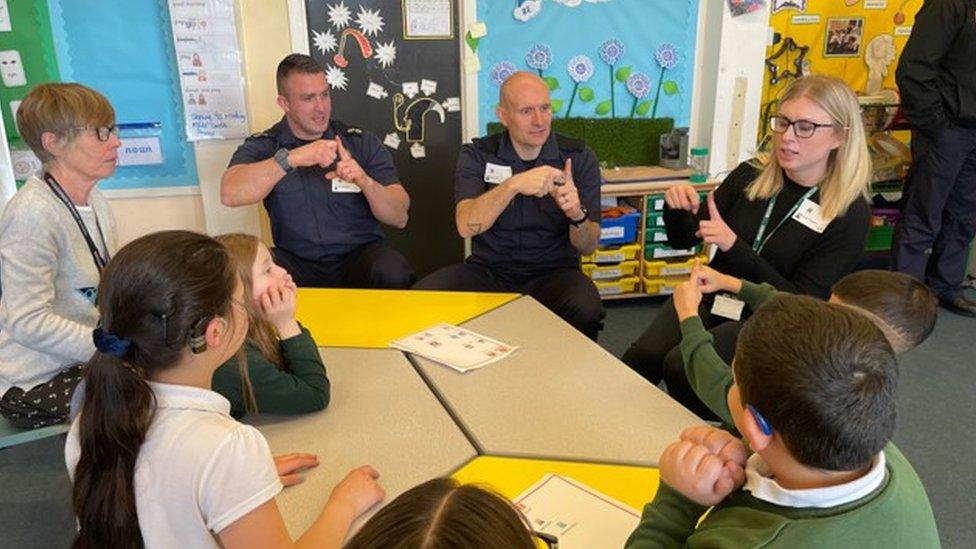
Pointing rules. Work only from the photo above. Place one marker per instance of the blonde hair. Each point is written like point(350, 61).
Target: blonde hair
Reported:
point(61, 109)
point(848, 174)
point(243, 251)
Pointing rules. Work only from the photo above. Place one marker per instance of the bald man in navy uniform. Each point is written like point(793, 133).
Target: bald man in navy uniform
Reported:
point(326, 186)
point(530, 202)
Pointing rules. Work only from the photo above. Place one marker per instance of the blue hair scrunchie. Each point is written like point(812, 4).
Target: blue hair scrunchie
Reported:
point(109, 344)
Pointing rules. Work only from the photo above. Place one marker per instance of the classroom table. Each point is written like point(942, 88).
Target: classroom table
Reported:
point(374, 318)
point(628, 484)
point(381, 414)
point(559, 396)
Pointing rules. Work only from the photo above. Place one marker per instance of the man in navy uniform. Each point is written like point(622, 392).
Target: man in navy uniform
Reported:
point(326, 186)
point(530, 202)
point(937, 79)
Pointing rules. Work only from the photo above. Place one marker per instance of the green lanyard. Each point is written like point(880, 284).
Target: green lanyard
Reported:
point(759, 242)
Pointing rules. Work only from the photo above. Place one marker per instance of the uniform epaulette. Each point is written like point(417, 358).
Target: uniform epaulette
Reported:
point(258, 135)
point(566, 143)
point(489, 143)
point(354, 131)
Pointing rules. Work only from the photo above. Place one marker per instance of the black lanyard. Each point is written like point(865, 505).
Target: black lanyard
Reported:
point(97, 257)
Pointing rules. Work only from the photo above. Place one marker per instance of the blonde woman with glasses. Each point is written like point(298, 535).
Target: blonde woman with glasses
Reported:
point(56, 235)
point(797, 219)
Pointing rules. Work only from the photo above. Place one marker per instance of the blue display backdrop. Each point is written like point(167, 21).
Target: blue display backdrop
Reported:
point(601, 58)
point(124, 49)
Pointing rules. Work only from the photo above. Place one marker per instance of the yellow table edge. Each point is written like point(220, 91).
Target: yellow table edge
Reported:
point(342, 317)
point(629, 484)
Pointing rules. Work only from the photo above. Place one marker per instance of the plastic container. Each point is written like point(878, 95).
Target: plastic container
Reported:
point(619, 230)
point(659, 268)
point(663, 251)
point(662, 285)
point(616, 287)
point(613, 255)
point(609, 272)
point(655, 235)
point(698, 162)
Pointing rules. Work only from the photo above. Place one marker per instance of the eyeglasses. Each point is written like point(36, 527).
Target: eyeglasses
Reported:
point(551, 541)
point(802, 128)
point(102, 132)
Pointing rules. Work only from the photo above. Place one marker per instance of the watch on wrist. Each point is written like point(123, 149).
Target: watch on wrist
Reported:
point(281, 157)
point(581, 220)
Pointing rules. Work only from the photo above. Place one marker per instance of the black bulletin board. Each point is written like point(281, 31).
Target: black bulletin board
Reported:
point(365, 32)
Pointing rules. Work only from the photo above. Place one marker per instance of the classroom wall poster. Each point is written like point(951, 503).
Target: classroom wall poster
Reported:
point(209, 61)
point(622, 59)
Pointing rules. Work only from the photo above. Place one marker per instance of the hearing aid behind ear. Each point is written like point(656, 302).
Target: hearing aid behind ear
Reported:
point(760, 420)
point(198, 335)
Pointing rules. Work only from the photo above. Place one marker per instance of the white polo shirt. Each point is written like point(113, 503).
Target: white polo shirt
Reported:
point(198, 470)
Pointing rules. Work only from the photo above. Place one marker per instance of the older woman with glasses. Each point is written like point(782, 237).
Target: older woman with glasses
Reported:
point(56, 235)
point(797, 220)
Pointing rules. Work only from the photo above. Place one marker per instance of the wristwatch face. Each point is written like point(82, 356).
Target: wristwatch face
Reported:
point(581, 220)
point(281, 157)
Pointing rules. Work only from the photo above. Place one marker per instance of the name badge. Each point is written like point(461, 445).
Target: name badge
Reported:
point(728, 307)
point(809, 216)
point(496, 174)
point(341, 186)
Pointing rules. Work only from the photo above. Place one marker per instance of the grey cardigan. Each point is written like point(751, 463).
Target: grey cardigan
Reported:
point(49, 280)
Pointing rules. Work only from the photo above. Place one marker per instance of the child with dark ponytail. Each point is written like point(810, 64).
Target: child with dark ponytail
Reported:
point(154, 456)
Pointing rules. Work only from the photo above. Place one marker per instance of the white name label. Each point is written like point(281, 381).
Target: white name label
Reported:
point(496, 173)
point(342, 186)
point(809, 216)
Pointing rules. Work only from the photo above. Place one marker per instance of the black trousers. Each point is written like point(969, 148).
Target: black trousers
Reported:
point(375, 265)
point(931, 241)
point(566, 292)
point(656, 354)
point(46, 404)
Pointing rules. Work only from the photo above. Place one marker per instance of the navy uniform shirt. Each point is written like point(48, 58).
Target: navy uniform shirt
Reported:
point(532, 234)
point(307, 218)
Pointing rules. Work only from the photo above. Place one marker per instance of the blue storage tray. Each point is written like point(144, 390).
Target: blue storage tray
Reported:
point(619, 230)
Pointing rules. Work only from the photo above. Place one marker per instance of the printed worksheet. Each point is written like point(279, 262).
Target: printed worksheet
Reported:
point(456, 347)
point(579, 516)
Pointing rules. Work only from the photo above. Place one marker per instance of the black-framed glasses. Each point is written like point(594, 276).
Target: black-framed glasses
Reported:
point(102, 132)
point(551, 541)
point(802, 128)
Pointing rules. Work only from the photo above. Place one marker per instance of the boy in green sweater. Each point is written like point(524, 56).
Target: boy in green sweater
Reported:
point(902, 307)
point(814, 395)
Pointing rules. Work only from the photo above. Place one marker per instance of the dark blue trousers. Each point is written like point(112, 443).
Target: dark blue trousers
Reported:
point(375, 265)
point(931, 241)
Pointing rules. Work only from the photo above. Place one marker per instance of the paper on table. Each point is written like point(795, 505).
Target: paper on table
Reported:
point(578, 515)
point(455, 347)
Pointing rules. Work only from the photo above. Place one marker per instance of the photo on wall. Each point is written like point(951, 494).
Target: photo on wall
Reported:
point(843, 37)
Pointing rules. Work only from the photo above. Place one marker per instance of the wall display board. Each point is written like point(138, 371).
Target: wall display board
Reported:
point(600, 58)
point(125, 50)
point(858, 41)
point(393, 66)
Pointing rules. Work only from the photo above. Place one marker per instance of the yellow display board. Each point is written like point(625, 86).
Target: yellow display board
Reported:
point(867, 19)
point(634, 486)
point(374, 318)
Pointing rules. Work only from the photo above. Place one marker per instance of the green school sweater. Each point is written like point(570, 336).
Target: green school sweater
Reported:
point(301, 387)
point(708, 374)
point(897, 514)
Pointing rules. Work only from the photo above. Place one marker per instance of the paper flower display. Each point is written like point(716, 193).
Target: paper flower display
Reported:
point(666, 56)
point(639, 85)
point(580, 68)
point(501, 71)
point(611, 51)
point(539, 57)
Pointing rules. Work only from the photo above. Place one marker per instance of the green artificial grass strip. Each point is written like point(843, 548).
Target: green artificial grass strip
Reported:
point(616, 141)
